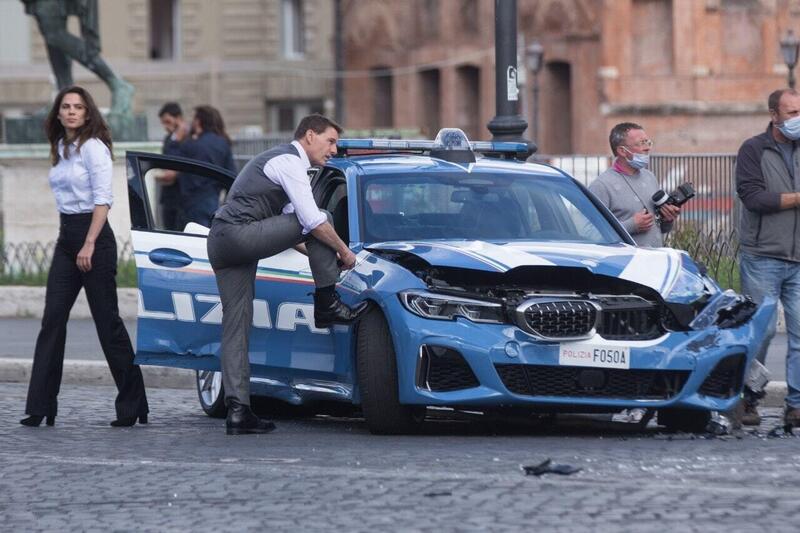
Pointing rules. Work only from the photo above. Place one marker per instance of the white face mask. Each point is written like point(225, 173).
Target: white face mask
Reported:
point(638, 161)
point(790, 128)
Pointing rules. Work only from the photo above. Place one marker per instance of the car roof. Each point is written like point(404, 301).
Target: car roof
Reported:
point(399, 163)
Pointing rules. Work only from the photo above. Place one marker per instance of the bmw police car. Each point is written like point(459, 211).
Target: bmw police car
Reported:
point(495, 283)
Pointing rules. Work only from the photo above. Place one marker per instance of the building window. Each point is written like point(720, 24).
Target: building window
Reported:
point(651, 37)
point(469, 14)
point(293, 37)
point(430, 102)
point(164, 29)
point(428, 20)
point(382, 99)
point(469, 101)
point(284, 115)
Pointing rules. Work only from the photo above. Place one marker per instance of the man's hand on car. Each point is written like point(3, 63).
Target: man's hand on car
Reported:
point(347, 259)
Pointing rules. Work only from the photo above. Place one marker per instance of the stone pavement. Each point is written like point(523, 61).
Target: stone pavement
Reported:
point(181, 472)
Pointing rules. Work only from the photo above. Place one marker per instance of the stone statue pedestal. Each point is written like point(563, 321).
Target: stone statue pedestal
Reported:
point(30, 130)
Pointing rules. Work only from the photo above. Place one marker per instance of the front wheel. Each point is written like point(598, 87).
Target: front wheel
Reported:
point(211, 393)
point(377, 380)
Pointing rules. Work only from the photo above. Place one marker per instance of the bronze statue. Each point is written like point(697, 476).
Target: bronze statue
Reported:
point(63, 46)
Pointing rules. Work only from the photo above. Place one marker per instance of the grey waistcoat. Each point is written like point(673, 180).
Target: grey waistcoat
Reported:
point(253, 195)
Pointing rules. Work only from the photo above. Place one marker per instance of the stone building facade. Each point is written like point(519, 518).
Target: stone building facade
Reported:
point(695, 73)
point(263, 63)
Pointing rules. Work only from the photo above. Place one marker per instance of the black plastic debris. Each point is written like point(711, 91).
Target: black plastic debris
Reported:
point(779, 432)
point(549, 467)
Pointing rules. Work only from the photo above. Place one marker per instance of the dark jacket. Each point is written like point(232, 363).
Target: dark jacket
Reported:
point(761, 177)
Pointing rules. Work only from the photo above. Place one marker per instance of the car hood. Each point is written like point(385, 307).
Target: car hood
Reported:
point(657, 268)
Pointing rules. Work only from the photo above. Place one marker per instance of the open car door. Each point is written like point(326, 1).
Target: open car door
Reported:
point(180, 314)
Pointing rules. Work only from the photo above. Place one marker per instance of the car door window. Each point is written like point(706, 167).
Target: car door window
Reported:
point(174, 194)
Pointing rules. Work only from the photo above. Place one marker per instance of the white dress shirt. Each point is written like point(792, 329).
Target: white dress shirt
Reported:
point(83, 180)
point(290, 173)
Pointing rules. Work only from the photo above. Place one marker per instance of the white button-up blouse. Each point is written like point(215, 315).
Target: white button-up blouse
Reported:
point(83, 180)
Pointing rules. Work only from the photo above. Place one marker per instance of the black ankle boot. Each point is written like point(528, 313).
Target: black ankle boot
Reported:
point(34, 421)
point(128, 421)
point(329, 310)
point(242, 421)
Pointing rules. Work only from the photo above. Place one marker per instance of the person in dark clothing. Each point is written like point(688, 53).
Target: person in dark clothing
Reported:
point(177, 129)
point(768, 185)
point(210, 143)
point(85, 257)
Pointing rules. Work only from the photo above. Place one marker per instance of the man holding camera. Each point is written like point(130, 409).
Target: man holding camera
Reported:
point(628, 187)
point(767, 173)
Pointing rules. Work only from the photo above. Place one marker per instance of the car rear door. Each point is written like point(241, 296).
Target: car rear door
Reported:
point(179, 315)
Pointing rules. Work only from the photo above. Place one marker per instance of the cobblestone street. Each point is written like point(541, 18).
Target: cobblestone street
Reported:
point(181, 472)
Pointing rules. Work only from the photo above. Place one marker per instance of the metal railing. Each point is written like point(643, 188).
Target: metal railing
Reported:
point(709, 212)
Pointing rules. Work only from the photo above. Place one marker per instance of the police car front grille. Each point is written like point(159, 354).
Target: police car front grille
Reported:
point(564, 381)
point(629, 318)
point(726, 378)
point(559, 319)
point(613, 317)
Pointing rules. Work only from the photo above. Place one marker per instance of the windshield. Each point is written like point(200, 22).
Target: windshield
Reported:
point(479, 206)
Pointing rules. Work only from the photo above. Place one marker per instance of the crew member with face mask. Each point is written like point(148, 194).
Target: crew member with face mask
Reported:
point(627, 187)
point(767, 173)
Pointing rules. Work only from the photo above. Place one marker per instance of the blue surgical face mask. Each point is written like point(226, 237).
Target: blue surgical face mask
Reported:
point(638, 161)
point(790, 128)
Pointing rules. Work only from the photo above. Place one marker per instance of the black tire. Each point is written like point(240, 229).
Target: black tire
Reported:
point(211, 393)
point(377, 380)
point(688, 420)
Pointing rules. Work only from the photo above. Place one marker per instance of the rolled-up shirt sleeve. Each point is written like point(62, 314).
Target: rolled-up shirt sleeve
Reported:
point(288, 172)
point(97, 160)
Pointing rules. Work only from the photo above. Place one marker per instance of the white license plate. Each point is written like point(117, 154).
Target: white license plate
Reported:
point(594, 355)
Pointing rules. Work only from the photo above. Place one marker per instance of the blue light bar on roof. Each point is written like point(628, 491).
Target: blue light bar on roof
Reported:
point(447, 139)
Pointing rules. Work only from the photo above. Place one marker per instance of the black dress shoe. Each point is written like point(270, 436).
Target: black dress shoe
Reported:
point(34, 421)
point(242, 421)
point(335, 312)
point(128, 421)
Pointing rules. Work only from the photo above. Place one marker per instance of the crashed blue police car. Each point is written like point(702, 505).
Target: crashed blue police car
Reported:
point(495, 284)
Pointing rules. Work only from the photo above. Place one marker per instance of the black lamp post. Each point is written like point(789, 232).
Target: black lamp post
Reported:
point(534, 56)
point(789, 49)
point(507, 125)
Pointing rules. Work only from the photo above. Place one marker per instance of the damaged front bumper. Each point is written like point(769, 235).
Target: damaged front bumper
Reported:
point(461, 363)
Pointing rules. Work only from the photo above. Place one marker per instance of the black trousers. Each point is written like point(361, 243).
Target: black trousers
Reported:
point(63, 285)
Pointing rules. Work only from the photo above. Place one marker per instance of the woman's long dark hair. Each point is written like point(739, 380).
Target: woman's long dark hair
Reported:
point(94, 126)
point(211, 120)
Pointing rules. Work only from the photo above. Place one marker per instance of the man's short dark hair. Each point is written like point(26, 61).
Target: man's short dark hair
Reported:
point(170, 108)
point(618, 133)
point(317, 123)
point(774, 99)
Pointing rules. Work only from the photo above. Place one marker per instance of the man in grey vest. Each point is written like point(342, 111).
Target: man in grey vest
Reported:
point(269, 209)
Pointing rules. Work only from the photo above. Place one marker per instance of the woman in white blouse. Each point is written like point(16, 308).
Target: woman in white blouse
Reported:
point(85, 256)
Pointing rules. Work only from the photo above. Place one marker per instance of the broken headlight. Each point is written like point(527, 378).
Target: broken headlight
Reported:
point(727, 310)
point(442, 307)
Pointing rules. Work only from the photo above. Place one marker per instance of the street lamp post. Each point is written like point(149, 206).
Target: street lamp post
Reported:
point(534, 55)
point(789, 49)
point(507, 125)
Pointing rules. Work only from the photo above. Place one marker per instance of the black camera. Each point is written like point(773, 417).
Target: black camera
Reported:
point(678, 197)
